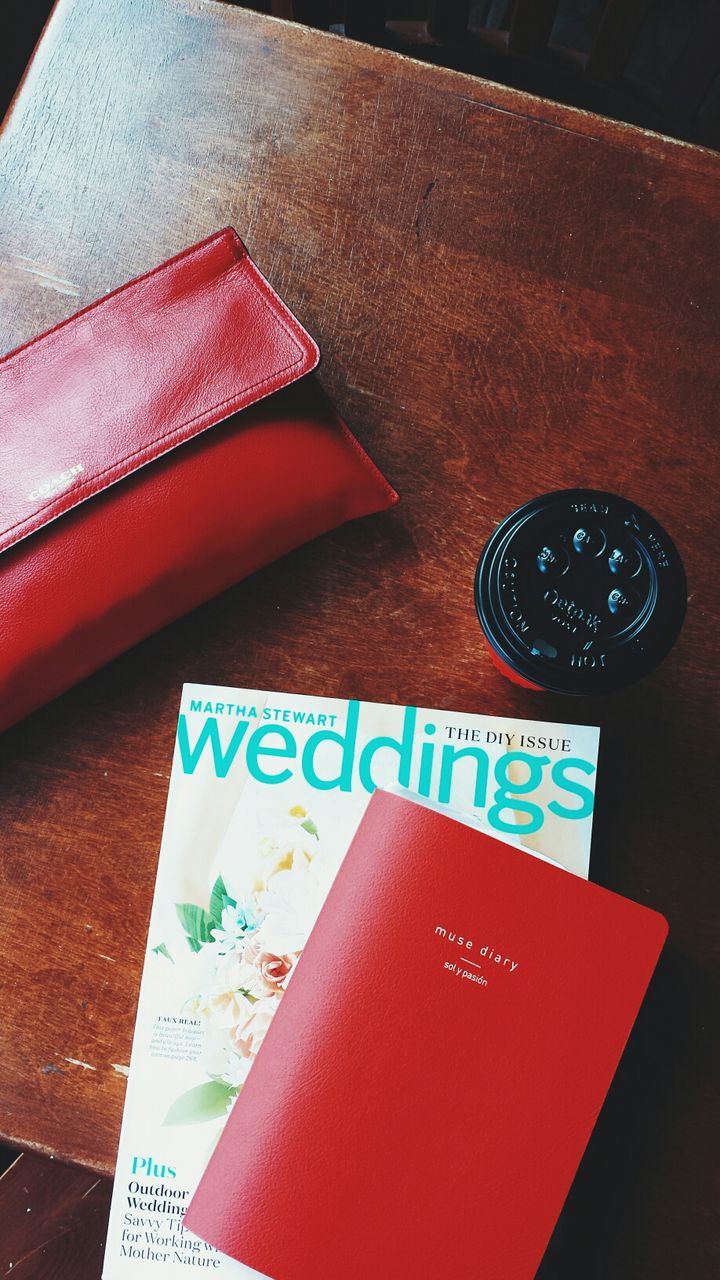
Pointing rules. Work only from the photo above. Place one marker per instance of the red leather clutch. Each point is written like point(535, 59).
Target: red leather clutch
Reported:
point(119, 508)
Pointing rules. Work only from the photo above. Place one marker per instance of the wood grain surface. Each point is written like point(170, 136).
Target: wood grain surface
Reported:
point(510, 297)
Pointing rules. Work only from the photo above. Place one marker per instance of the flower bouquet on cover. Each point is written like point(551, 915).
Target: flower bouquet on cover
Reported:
point(242, 950)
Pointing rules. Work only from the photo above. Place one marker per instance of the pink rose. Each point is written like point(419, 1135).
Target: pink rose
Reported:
point(272, 969)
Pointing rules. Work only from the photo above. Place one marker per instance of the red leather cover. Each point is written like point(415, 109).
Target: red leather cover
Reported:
point(403, 1119)
point(108, 529)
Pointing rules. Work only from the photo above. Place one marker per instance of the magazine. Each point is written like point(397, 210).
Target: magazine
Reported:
point(265, 794)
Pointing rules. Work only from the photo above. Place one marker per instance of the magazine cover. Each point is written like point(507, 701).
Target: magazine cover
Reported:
point(266, 792)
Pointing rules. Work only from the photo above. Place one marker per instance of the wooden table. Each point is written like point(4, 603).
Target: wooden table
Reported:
point(510, 297)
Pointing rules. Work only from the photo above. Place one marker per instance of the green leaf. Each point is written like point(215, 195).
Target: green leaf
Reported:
point(203, 1102)
point(196, 922)
point(217, 901)
point(162, 950)
point(309, 826)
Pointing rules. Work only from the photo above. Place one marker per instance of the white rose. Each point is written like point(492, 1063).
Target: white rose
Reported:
point(248, 1038)
point(291, 905)
point(225, 1004)
point(221, 1060)
point(284, 850)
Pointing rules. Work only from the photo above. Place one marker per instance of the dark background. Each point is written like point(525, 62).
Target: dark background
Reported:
point(648, 94)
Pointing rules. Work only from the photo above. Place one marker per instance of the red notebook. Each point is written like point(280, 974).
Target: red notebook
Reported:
point(427, 1088)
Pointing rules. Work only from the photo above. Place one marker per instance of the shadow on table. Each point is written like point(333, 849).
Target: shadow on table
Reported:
point(54, 1220)
point(596, 1234)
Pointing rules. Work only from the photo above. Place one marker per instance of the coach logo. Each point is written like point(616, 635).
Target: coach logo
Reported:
point(56, 484)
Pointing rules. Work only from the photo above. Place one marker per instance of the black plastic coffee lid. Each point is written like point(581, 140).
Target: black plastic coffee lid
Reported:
point(580, 591)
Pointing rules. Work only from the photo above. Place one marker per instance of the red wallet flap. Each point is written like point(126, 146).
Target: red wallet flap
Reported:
point(137, 373)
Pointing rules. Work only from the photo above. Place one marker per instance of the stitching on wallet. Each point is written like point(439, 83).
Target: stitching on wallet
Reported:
point(267, 296)
point(366, 459)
